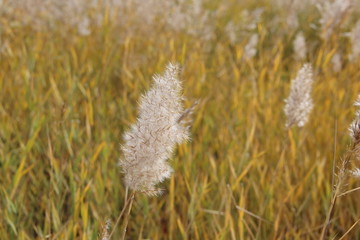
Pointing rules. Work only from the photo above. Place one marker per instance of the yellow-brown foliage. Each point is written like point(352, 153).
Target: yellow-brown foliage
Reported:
point(66, 100)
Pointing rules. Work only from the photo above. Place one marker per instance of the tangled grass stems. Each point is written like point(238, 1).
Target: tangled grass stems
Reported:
point(335, 194)
point(126, 203)
point(352, 153)
point(131, 200)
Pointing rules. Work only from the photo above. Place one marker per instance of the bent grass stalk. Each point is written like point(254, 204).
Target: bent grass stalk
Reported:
point(127, 215)
point(334, 197)
point(126, 203)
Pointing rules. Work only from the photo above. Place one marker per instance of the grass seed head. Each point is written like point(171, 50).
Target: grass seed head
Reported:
point(333, 14)
point(151, 140)
point(355, 41)
point(299, 103)
point(105, 231)
point(299, 45)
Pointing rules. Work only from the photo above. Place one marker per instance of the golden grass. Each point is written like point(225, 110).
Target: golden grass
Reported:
point(65, 101)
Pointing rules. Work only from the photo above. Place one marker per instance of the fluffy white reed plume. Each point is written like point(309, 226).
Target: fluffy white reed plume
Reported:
point(84, 27)
point(183, 15)
point(298, 5)
point(250, 19)
point(299, 103)
point(248, 22)
point(43, 15)
point(250, 48)
point(355, 125)
point(353, 128)
point(151, 140)
point(105, 231)
point(231, 32)
point(336, 62)
point(332, 15)
point(291, 9)
point(292, 18)
point(355, 135)
point(355, 41)
point(299, 46)
point(355, 173)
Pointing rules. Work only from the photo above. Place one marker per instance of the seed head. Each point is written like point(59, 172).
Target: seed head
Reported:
point(355, 173)
point(250, 48)
point(151, 140)
point(105, 231)
point(336, 62)
point(355, 125)
point(333, 14)
point(299, 45)
point(355, 41)
point(299, 103)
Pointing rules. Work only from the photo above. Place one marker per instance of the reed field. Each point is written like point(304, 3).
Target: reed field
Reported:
point(72, 74)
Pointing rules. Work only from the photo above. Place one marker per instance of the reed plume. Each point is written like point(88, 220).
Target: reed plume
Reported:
point(336, 62)
point(355, 135)
point(356, 173)
point(355, 125)
point(250, 48)
point(299, 46)
point(333, 14)
point(105, 231)
point(299, 103)
point(151, 140)
point(354, 36)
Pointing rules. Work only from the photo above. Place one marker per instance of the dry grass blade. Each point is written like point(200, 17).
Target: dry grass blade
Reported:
point(348, 231)
point(244, 210)
point(349, 191)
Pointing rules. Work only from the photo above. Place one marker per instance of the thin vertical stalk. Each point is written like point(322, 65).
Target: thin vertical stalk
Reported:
point(126, 203)
point(127, 215)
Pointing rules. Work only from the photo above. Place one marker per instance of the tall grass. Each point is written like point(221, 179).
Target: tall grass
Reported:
point(67, 98)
